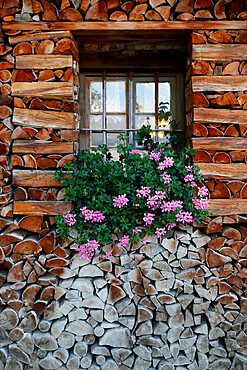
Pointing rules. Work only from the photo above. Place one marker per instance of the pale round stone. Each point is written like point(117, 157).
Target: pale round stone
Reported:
point(99, 331)
point(44, 326)
point(100, 360)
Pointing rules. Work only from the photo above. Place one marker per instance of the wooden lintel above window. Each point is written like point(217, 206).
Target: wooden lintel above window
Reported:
point(123, 26)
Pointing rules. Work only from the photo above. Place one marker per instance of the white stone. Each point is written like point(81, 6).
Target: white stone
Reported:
point(45, 341)
point(66, 340)
point(49, 362)
point(202, 343)
point(97, 315)
point(58, 327)
point(100, 360)
point(84, 286)
point(73, 362)
point(86, 361)
point(173, 309)
point(143, 352)
point(90, 271)
point(62, 354)
point(109, 365)
point(174, 333)
point(141, 364)
point(185, 343)
point(18, 354)
point(93, 302)
point(144, 329)
point(99, 283)
point(103, 294)
point(99, 350)
point(116, 338)
point(26, 344)
point(99, 331)
point(79, 327)
point(77, 314)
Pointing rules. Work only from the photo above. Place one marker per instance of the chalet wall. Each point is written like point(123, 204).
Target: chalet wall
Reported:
point(180, 304)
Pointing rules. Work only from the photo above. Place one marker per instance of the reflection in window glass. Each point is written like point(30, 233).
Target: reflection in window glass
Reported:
point(96, 94)
point(165, 93)
point(116, 96)
point(116, 122)
point(145, 97)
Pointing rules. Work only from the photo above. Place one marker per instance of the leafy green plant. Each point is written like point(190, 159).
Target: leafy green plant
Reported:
point(144, 192)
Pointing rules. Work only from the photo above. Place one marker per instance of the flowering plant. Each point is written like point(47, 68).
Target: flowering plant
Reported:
point(148, 191)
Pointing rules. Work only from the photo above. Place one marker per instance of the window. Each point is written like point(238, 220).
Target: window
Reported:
point(123, 102)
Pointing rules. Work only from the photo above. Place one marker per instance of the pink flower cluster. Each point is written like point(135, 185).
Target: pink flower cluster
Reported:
point(200, 203)
point(87, 250)
point(120, 201)
point(148, 219)
point(154, 201)
point(160, 231)
point(155, 156)
point(189, 168)
point(135, 151)
point(168, 162)
point(143, 192)
point(92, 216)
point(69, 218)
point(108, 254)
point(124, 241)
point(171, 206)
point(203, 191)
point(137, 230)
point(184, 216)
point(190, 178)
point(167, 178)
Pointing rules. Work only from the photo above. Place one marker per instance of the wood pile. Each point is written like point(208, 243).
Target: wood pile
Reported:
point(121, 11)
point(178, 303)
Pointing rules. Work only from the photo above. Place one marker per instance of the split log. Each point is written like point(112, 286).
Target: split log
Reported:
point(185, 17)
point(45, 163)
point(118, 16)
point(164, 11)
point(202, 68)
point(127, 6)
point(70, 14)
point(220, 37)
point(23, 76)
point(46, 76)
point(39, 36)
point(5, 76)
point(19, 133)
point(235, 8)
point(200, 130)
point(242, 99)
point(31, 223)
point(67, 46)
point(200, 100)
point(237, 156)
point(229, 116)
point(49, 12)
point(23, 48)
point(226, 207)
point(48, 242)
point(242, 37)
point(219, 52)
point(41, 147)
point(219, 83)
point(203, 4)
point(221, 158)
point(224, 100)
point(243, 193)
point(153, 15)
point(4, 49)
point(97, 12)
point(136, 17)
point(41, 208)
point(197, 38)
point(221, 171)
point(45, 47)
point(28, 246)
point(185, 6)
point(84, 6)
point(231, 131)
point(235, 186)
point(224, 143)
point(35, 178)
point(42, 134)
point(6, 65)
point(29, 161)
point(47, 90)
point(219, 10)
point(231, 69)
point(140, 9)
point(5, 112)
point(35, 194)
point(202, 156)
point(220, 191)
point(43, 119)
point(6, 89)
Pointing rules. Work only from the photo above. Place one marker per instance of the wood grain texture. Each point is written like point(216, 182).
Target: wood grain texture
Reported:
point(219, 83)
point(41, 147)
point(43, 119)
point(226, 207)
point(41, 208)
point(120, 26)
point(223, 171)
point(209, 115)
point(39, 36)
point(41, 62)
point(35, 178)
point(45, 90)
point(219, 143)
point(219, 52)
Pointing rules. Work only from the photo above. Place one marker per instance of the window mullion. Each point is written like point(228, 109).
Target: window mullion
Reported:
point(130, 107)
point(104, 125)
point(156, 103)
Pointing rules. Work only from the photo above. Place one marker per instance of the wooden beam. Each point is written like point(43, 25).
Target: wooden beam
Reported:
point(219, 52)
point(226, 207)
point(42, 147)
point(43, 118)
point(219, 143)
point(230, 116)
point(39, 62)
point(223, 171)
point(219, 83)
point(39, 36)
point(119, 26)
point(35, 178)
point(41, 208)
point(44, 90)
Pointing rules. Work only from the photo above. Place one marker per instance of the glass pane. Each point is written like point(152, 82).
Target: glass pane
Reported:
point(143, 120)
point(96, 122)
point(145, 97)
point(112, 140)
point(165, 93)
point(97, 139)
point(116, 96)
point(116, 122)
point(96, 94)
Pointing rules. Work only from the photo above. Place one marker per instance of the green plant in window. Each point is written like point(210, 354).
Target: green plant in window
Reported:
point(144, 192)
